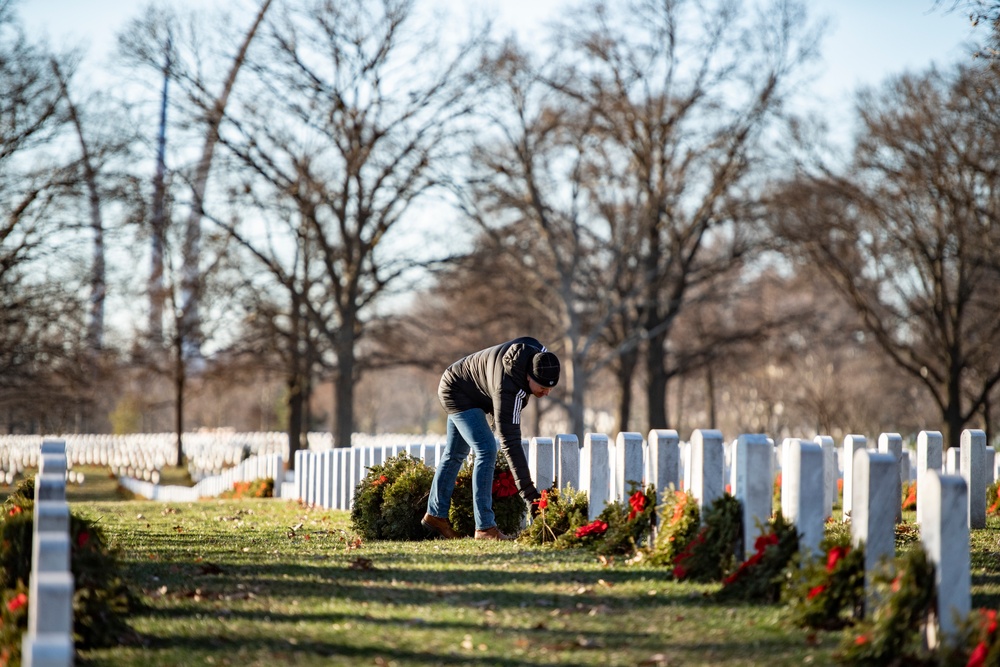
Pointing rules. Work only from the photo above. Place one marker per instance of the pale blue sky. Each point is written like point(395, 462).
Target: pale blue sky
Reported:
point(867, 40)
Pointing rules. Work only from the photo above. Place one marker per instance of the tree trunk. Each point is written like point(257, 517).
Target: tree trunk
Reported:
point(953, 412)
point(627, 363)
point(656, 381)
point(98, 284)
point(157, 292)
point(191, 269)
point(710, 391)
point(294, 415)
point(344, 387)
point(988, 421)
point(294, 381)
point(680, 404)
point(180, 382)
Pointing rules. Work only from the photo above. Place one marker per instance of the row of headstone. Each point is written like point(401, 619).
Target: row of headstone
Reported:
point(48, 641)
point(944, 530)
point(144, 455)
point(328, 478)
point(973, 460)
point(948, 504)
point(603, 469)
point(872, 486)
point(249, 470)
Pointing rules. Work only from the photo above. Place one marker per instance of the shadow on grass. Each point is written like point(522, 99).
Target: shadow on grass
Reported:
point(339, 653)
point(550, 641)
point(414, 586)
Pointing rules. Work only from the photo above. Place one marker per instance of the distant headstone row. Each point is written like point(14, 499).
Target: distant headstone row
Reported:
point(144, 455)
point(249, 470)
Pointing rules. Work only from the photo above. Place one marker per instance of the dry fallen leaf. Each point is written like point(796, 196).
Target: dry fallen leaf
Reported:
point(586, 642)
point(361, 563)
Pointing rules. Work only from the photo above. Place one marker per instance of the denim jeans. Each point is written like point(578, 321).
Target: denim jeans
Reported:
point(466, 430)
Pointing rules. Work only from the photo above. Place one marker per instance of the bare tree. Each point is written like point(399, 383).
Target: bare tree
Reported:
point(41, 318)
point(981, 12)
point(910, 234)
point(97, 130)
point(212, 111)
point(343, 133)
point(619, 162)
point(526, 193)
point(691, 115)
point(277, 324)
point(150, 42)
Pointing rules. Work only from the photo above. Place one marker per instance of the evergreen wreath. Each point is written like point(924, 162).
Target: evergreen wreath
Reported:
point(13, 622)
point(372, 519)
point(404, 503)
point(978, 642)
point(262, 487)
point(891, 634)
point(629, 524)
point(508, 507)
point(826, 593)
point(993, 498)
point(561, 515)
point(102, 602)
point(760, 577)
point(680, 519)
point(712, 552)
point(910, 496)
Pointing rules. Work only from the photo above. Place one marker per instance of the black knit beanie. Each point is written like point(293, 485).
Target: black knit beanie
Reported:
point(545, 369)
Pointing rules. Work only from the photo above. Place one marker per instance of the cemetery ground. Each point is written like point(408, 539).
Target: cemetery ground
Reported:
point(270, 582)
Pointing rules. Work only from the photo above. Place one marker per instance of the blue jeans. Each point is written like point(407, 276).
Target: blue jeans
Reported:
point(468, 429)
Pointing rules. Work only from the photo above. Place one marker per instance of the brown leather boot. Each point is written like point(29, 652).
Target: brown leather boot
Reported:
point(492, 534)
point(440, 526)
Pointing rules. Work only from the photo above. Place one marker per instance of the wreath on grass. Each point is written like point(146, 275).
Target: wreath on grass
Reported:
point(910, 496)
point(760, 577)
point(13, 622)
point(561, 516)
point(827, 593)
point(392, 499)
point(381, 511)
point(712, 552)
point(977, 638)
point(629, 524)
point(259, 488)
point(680, 520)
point(508, 508)
point(102, 602)
point(993, 498)
point(892, 633)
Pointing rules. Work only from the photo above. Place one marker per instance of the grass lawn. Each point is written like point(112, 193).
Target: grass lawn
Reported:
point(267, 582)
